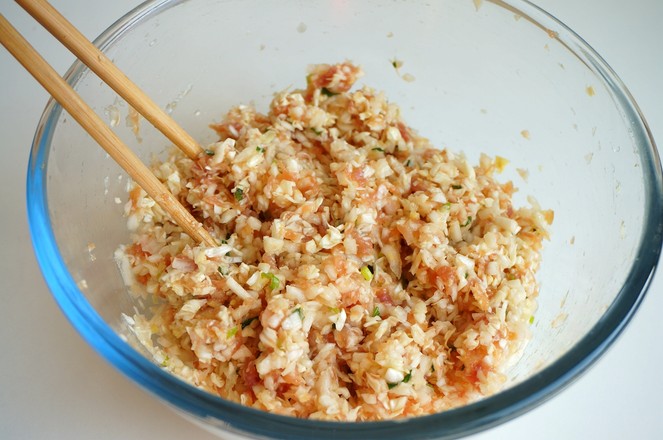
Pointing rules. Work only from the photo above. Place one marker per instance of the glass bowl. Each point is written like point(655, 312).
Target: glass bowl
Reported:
point(500, 77)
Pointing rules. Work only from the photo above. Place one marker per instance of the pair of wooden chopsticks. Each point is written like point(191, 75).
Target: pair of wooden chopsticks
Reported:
point(68, 35)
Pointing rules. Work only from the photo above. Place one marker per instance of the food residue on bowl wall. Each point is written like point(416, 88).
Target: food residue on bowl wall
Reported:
point(559, 320)
point(397, 64)
point(90, 249)
point(133, 121)
point(112, 112)
point(172, 105)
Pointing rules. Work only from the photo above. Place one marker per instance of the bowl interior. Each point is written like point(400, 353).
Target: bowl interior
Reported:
point(501, 78)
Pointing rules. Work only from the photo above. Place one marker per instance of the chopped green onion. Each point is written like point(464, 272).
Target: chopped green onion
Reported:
point(366, 273)
point(531, 319)
point(381, 150)
point(467, 222)
point(232, 332)
point(222, 270)
point(391, 385)
point(316, 131)
point(408, 163)
point(247, 322)
point(407, 377)
point(209, 152)
point(466, 275)
point(224, 241)
point(335, 310)
point(260, 149)
point(273, 280)
point(325, 91)
point(164, 363)
point(456, 186)
point(300, 312)
point(376, 311)
point(447, 205)
point(239, 194)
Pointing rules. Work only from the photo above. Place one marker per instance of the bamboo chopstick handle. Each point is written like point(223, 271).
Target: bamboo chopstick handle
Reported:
point(88, 119)
point(99, 63)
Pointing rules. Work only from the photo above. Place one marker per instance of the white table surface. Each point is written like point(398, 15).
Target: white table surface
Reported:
point(53, 386)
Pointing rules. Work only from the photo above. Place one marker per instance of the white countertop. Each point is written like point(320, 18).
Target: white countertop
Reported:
point(53, 386)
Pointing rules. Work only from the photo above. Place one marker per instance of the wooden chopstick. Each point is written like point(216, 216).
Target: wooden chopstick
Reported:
point(99, 63)
point(88, 119)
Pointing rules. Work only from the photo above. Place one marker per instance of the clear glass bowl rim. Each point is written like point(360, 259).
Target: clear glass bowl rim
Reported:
point(450, 424)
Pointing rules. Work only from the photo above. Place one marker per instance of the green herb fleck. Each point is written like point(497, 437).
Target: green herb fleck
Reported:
point(407, 377)
point(381, 150)
point(316, 131)
point(300, 312)
point(209, 152)
point(466, 275)
point(222, 270)
point(376, 311)
point(164, 363)
point(260, 149)
point(247, 322)
point(531, 319)
point(335, 310)
point(366, 273)
point(232, 332)
point(447, 205)
point(391, 385)
point(273, 280)
point(408, 163)
point(239, 194)
point(456, 186)
point(467, 222)
point(325, 91)
point(224, 241)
